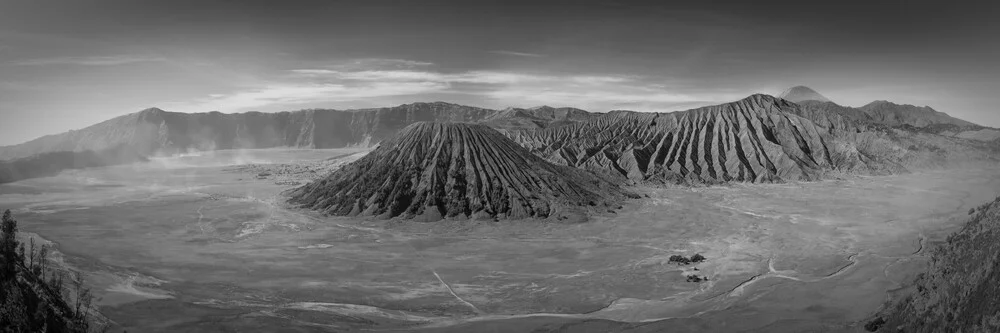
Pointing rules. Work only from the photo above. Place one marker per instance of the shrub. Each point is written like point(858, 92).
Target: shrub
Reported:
point(31, 294)
point(875, 324)
point(680, 259)
point(696, 278)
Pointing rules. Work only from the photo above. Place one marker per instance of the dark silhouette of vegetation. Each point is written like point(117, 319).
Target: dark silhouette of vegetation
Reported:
point(958, 292)
point(875, 324)
point(682, 260)
point(33, 296)
point(695, 278)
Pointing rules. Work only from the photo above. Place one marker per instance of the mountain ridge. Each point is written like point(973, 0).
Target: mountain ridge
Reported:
point(757, 138)
point(155, 131)
point(760, 138)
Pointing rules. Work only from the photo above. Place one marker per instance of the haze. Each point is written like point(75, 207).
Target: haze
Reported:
point(67, 65)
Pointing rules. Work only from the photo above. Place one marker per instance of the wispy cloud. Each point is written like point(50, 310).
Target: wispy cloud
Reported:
point(92, 60)
point(298, 94)
point(608, 98)
point(392, 79)
point(369, 63)
point(486, 77)
point(479, 76)
point(518, 54)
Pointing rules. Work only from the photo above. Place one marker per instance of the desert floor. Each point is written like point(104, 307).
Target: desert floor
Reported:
point(206, 243)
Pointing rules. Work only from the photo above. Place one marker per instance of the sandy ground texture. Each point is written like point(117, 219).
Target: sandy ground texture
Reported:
point(205, 243)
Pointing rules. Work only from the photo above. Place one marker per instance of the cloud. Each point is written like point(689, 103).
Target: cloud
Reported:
point(392, 62)
point(608, 98)
point(402, 80)
point(479, 77)
point(518, 54)
point(292, 94)
point(92, 60)
point(373, 63)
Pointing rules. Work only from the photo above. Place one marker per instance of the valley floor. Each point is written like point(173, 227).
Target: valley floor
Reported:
point(205, 243)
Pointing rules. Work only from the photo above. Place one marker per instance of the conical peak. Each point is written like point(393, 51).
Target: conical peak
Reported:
point(802, 93)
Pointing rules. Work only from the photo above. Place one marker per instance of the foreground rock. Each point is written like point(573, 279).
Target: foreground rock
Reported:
point(959, 291)
point(435, 170)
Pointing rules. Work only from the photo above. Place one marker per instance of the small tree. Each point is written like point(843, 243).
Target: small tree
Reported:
point(8, 247)
point(697, 258)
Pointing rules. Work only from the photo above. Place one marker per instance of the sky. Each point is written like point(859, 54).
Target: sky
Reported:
point(70, 64)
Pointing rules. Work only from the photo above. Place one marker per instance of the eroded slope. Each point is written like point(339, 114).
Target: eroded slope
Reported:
point(758, 139)
point(435, 170)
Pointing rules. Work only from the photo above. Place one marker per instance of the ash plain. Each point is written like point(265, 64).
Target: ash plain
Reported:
point(205, 242)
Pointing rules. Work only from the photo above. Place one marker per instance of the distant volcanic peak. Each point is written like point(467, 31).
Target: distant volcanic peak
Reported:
point(802, 93)
point(436, 104)
point(880, 102)
point(153, 114)
point(434, 170)
point(893, 114)
point(885, 103)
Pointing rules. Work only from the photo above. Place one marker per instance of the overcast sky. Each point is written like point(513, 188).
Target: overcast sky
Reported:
point(69, 64)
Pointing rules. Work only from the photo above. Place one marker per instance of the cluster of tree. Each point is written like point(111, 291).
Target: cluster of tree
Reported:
point(33, 295)
point(958, 291)
point(685, 260)
point(696, 278)
point(874, 325)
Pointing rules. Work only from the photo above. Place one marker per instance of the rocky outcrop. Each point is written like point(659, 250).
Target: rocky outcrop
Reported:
point(431, 171)
point(759, 138)
point(959, 290)
point(802, 93)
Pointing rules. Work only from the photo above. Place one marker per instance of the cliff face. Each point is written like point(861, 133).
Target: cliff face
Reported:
point(48, 164)
point(758, 138)
point(155, 131)
point(538, 117)
point(435, 170)
point(959, 292)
